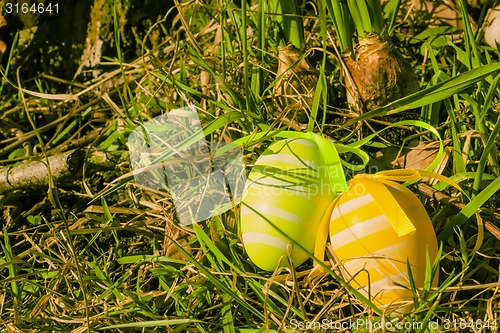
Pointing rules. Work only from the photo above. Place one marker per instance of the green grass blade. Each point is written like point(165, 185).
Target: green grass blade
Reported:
point(318, 92)
point(205, 240)
point(246, 65)
point(470, 41)
point(12, 267)
point(292, 22)
point(287, 14)
point(493, 92)
point(459, 163)
point(227, 315)
point(470, 209)
point(342, 23)
point(217, 282)
point(411, 281)
point(359, 16)
point(9, 62)
point(394, 16)
point(153, 323)
point(376, 15)
point(490, 148)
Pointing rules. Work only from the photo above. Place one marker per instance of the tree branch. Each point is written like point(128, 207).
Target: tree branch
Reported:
point(35, 174)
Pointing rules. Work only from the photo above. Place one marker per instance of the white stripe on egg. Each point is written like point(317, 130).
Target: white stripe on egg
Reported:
point(360, 230)
point(257, 237)
point(351, 205)
point(272, 160)
point(269, 211)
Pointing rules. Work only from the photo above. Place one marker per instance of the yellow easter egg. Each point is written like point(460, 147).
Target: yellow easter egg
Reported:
point(286, 195)
point(373, 245)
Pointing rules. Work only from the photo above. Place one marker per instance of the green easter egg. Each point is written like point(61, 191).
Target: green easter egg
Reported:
point(286, 195)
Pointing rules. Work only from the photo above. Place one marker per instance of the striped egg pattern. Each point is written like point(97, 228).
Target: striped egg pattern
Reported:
point(373, 256)
point(286, 194)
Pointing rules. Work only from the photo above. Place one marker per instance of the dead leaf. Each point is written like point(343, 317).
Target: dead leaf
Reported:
point(3, 21)
point(420, 156)
point(493, 229)
point(3, 47)
point(415, 155)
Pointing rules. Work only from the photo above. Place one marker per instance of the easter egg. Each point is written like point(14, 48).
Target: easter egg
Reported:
point(372, 252)
point(286, 195)
point(492, 27)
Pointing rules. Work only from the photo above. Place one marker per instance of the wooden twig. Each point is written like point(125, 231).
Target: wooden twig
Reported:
point(35, 174)
point(439, 196)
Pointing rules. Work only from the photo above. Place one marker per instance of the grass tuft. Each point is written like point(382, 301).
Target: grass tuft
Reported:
point(101, 252)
